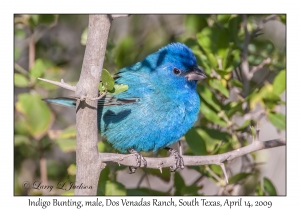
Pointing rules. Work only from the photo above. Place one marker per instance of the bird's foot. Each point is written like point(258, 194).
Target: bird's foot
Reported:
point(178, 159)
point(139, 159)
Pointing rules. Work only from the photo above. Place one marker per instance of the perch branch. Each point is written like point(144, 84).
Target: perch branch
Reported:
point(158, 163)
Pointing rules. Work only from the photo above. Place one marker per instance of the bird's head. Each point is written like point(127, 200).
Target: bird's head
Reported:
point(176, 66)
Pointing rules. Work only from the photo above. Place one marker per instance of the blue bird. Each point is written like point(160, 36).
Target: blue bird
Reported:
point(159, 107)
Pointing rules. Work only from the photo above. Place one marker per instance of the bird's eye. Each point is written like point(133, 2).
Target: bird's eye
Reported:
point(176, 71)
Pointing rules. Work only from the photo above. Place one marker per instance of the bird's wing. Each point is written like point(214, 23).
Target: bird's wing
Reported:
point(109, 100)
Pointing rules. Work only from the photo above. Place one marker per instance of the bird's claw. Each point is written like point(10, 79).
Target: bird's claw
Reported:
point(139, 159)
point(178, 160)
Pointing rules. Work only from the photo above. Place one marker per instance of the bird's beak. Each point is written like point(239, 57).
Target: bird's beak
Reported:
point(197, 74)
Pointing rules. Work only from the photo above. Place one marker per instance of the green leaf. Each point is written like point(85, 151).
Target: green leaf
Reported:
point(84, 36)
point(238, 177)
point(47, 19)
point(179, 184)
point(69, 132)
point(20, 126)
point(235, 83)
point(202, 141)
point(217, 85)
point(223, 44)
point(195, 23)
point(20, 80)
point(114, 188)
point(253, 132)
point(37, 70)
point(209, 97)
point(271, 100)
point(282, 18)
point(210, 137)
point(216, 169)
point(211, 115)
point(225, 147)
point(195, 142)
point(72, 169)
point(208, 39)
point(119, 89)
point(101, 146)
point(269, 187)
point(107, 80)
point(223, 18)
point(122, 57)
point(66, 145)
point(20, 33)
point(165, 175)
point(104, 176)
point(191, 190)
point(38, 115)
point(55, 168)
point(278, 120)
point(259, 190)
point(45, 144)
point(68, 193)
point(212, 60)
point(245, 125)
point(33, 20)
point(233, 28)
point(233, 108)
point(222, 73)
point(279, 84)
point(20, 140)
point(17, 53)
point(101, 88)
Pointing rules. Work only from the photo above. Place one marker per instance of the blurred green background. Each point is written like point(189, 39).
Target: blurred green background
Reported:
point(52, 47)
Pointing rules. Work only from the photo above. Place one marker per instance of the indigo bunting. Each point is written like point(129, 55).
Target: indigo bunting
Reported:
point(159, 107)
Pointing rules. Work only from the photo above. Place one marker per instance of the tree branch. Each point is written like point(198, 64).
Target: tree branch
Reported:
point(261, 25)
point(246, 73)
point(245, 65)
point(60, 84)
point(88, 166)
point(157, 163)
point(260, 66)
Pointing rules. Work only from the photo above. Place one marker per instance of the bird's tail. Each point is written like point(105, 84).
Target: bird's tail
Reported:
point(64, 101)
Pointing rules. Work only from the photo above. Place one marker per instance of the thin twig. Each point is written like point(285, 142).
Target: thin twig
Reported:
point(261, 25)
point(245, 65)
point(141, 180)
point(20, 69)
point(60, 84)
point(99, 97)
point(31, 53)
point(213, 174)
point(260, 66)
point(247, 74)
point(43, 172)
point(224, 172)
